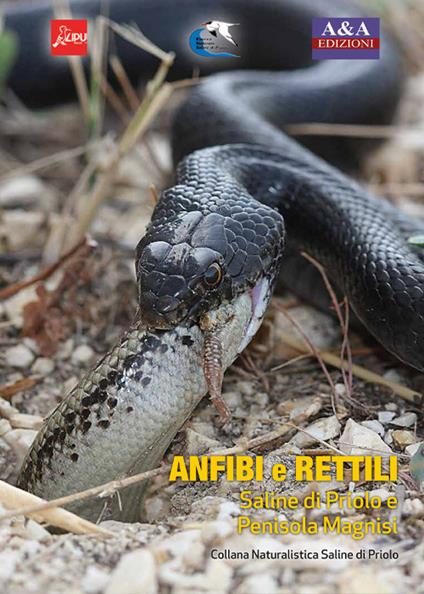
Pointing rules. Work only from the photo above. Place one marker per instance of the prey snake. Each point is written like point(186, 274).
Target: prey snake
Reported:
point(244, 192)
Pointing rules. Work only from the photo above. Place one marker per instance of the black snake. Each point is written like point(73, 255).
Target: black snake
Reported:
point(208, 263)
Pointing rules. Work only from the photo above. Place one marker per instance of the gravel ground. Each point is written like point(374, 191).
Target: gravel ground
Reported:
point(270, 385)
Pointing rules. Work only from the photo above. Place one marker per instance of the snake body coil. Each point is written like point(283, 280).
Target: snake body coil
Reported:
point(211, 255)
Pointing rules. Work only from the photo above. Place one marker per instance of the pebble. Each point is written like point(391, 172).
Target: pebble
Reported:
point(411, 449)
point(393, 376)
point(308, 407)
point(198, 444)
point(5, 427)
point(25, 421)
point(43, 366)
point(6, 409)
point(20, 440)
point(35, 531)
point(215, 532)
point(13, 307)
point(340, 390)
point(19, 356)
point(134, 574)
point(388, 438)
point(392, 406)
point(405, 420)
point(82, 354)
point(413, 507)
point(385, 416)
point(94, 580)
point(258, 583)
point(319, 430)
point(22, 228)
point(358, 440)
point(24, 190)
point(403, 438)
point(374, 425)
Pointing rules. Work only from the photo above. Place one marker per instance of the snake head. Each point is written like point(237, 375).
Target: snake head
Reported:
point(189, 263)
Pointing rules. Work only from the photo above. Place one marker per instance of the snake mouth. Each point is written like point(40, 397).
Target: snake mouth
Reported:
point(260, 295)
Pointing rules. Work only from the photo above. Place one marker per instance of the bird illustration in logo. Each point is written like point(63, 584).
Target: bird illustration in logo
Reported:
point(215, 27)
point(62, 36)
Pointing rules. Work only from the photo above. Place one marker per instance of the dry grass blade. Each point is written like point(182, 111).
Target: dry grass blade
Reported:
point(373, 378)
point(315, 352)
point(12, 497)
point(136, 37)
point(343, 322)
point(45, 162)
point(124, 81)
point(97, 79)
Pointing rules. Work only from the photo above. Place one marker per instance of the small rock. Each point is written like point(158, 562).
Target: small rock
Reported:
point(385, 416)
point(5, 427)
point(6, 409)
point(340, 390)
point(403, 438)
point(308, 407)
point(134, 574)
point(391, 406)
point(381, 493)
point(82, 354)
point(321, 429)
point(31, 344)
point(24, 421)
point(24, 190)
point(22, 228)
point(157, 509)
point(413, 507)
point(215, 532)
point(198, 444)
point(20, 440)
point(13, 306)
point(35, 531)
point(261, 582)
point(66, 349)
point(19, 356)
point(357, 440)
point(393, 376)
point(43, 366)
point(411, 449)
point(94, 580)
point(371, 579)
point(374, 425)
point(388, 438)
point(405, 420)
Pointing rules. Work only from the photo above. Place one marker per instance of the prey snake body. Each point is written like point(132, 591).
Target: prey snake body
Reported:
point(210, 258)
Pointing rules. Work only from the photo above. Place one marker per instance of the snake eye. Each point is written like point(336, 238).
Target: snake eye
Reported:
point(213, 275)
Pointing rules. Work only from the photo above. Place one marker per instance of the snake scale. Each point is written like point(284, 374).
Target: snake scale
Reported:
point(245, 193)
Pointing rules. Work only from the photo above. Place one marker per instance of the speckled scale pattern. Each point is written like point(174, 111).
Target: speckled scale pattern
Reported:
point(121, 417)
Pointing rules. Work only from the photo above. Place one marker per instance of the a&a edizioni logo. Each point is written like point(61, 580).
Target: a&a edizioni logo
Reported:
point(345, 38)
point(214, 39)
point(68, 37)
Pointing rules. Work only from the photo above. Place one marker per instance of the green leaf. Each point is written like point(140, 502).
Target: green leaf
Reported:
point(417, 240)
point(8, 53)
